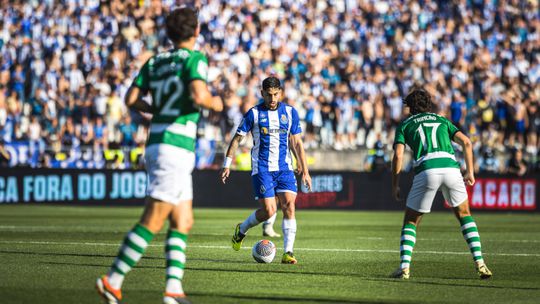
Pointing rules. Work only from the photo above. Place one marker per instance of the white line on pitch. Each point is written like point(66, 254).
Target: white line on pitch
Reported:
point(87, 229)
point(300, 249)
point(447, 240)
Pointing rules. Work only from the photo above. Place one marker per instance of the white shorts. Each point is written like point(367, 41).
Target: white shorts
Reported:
point(428, 182)
point(169, 173)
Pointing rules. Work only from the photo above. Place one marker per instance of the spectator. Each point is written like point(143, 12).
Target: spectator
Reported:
point(128, 132)
point(350, 61)
point(516, 165)
point(488, 162)
point(377, 158)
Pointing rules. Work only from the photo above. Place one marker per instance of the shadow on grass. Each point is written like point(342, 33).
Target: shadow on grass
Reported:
point(285, 298)
point(346, 275)
point(261, 271)
point(461, 284)
point(69, 254)
point(146, 257)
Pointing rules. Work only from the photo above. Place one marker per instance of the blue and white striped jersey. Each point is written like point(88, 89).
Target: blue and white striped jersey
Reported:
point(270, 131)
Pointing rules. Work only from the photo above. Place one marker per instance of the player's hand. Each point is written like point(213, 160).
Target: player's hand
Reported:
point(224, 174)
point(468, 178)
point(396, 193)
point(306, 181)
point(217, 104)
point(146, 116)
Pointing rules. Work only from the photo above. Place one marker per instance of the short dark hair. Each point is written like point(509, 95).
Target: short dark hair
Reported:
point(419, 100)
point(181, 24)
point(271, 82)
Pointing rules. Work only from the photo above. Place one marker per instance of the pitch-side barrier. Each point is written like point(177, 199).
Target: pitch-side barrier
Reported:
point(331, 189)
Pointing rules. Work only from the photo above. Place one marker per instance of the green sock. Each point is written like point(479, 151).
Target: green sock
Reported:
point(130, 253)
point(408, 239)
point(175, 251)
point(471, 235)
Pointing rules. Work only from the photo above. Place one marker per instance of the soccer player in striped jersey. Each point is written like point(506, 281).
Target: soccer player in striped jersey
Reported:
point(176, 79)
point(429, 136)
point(275, 128)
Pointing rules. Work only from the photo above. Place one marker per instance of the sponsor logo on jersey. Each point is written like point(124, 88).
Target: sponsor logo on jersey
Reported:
point(266, 131)
point(264, 119)
point(284, 119)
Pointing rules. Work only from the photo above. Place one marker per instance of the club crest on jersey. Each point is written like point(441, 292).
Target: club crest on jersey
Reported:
point(284, 119)
point(263, 189)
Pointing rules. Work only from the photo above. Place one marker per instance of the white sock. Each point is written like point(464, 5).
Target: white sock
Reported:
point(251, 221)
point(289, 233)
point(115, 279)
point(271, 220)
point(174, 287)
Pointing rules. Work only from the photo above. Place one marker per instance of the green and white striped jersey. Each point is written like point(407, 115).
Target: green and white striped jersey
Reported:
point(167, 76)
point(430, 137)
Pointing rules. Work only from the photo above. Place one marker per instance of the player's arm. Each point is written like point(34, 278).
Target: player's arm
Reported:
point(229, 155)
point(245, 126)
point(134, 100)
point(466, 145)
point(397, 163)
point(295, 154)
point(297, 147)
point(138, 89)
point(202, 96)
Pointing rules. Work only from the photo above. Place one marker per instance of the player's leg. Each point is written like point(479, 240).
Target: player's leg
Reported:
point(268, 225)
point(263, 187)
point(472, 237)
point(419, 201)
point(407, 241)
point(181, 221)
point(286, 190)
point(133, 247)
point(288, 226)
point(455, 194)
point(267, 209)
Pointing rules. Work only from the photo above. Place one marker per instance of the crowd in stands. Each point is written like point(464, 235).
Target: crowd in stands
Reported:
point(346, 65)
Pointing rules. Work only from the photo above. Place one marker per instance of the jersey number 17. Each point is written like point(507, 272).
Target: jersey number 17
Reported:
point(433, 126)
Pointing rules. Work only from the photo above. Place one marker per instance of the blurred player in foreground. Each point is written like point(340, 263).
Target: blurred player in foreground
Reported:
point(176, 80)
point(429, 136)
point(274, 126)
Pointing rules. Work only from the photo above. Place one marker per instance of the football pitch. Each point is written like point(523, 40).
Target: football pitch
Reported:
point(53, 254)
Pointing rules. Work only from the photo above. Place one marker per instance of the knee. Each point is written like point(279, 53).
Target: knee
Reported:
point(183, 224)
point(269, 210)
point(152, 225)
point(462, 211)
point(188, 224)
point(288, 209)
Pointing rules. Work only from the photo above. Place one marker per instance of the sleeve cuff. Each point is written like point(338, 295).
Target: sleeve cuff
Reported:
point(241, 133)
point(197, 78)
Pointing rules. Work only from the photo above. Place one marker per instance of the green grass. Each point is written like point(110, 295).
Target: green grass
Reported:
point(52, 254)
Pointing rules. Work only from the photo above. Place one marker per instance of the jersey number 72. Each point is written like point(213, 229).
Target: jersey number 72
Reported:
point(171, 89)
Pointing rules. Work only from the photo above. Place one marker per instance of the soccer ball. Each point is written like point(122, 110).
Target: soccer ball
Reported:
point(264, 251)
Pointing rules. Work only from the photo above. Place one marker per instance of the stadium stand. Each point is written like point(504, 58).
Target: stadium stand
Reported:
point(65, 67)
